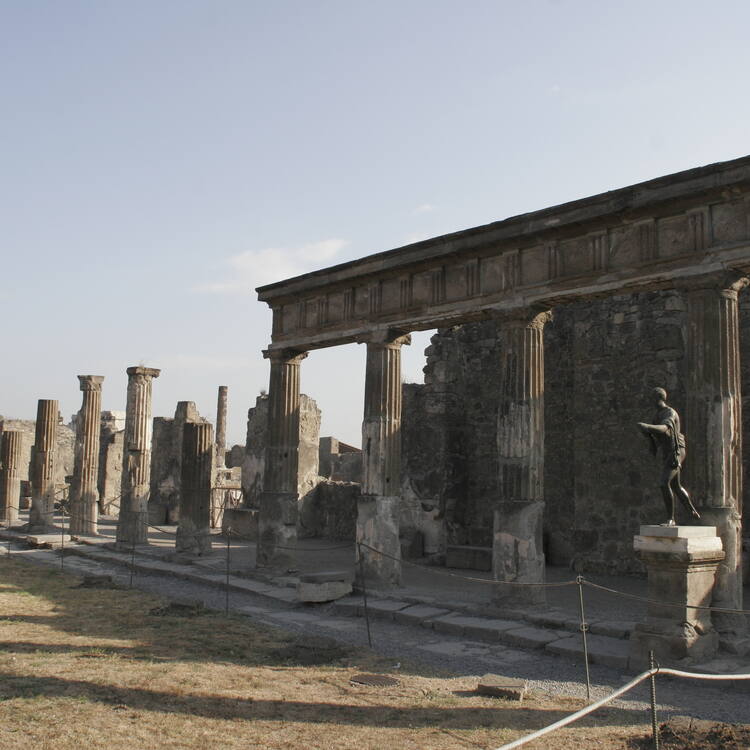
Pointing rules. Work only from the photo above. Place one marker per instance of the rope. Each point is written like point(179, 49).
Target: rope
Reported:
point(609, 698)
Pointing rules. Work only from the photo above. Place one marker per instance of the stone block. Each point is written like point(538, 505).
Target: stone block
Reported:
point(478, 628)
point(384, 607)
point(417, 613)
point(693, 540)
point(323, 591)
point(611, 652)
point(502, 687)
point(529, 637)
point(350, 607)
point(468, 558)
point(242, 521)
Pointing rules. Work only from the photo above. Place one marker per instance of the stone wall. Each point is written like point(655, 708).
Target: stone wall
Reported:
point(329, 511)
point(601, 359)
point(111, 447)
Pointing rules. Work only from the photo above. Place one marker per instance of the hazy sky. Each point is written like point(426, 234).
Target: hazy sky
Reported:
point(162, 158)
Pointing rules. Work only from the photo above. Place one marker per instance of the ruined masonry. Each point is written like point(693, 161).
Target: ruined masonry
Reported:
point(43, 466)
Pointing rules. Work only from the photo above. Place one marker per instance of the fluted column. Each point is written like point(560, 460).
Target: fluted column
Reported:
point(517, 554)
point(11, 444)
point(277, 519)
point(43, 466)
point(84, 493)
point(713, 430)
point(194, 530)
point(221, 427)
point(132, 526)
point(379, 503)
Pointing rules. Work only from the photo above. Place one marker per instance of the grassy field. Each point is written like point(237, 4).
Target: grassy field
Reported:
point(105, 667)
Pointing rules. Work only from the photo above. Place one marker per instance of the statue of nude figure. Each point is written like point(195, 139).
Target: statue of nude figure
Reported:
point(664, 436)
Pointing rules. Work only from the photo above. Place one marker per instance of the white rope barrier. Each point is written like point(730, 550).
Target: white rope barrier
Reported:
point(607, 699)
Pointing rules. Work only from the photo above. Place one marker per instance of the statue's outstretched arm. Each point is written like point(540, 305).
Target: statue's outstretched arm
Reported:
point(651, 429)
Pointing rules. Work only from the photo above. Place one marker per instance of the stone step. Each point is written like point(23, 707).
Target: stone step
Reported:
point(610, 652)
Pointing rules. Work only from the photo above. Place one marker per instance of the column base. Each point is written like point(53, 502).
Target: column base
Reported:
point(681, 562)
point(378, 528)
point(277, 531)
point(191, 540)
point(517, 555)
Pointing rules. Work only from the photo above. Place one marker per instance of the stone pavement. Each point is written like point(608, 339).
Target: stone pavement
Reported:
point(450, 602)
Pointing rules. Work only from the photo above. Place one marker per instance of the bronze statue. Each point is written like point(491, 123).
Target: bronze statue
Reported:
point(664, 436)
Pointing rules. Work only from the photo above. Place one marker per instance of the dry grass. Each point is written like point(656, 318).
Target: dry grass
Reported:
point(91, 667)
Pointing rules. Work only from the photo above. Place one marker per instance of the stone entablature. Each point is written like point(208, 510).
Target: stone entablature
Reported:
point(641, 237)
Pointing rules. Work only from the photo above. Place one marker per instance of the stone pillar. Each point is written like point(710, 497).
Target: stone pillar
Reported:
point(43, 466)
point(11, 445)
point(132, 525)
point(277, 519)
point(194, 530)
point(379, 503)
point(713, 428)
point(84, 493)
point(221, 428)
point(517, 554)
point(681, 563)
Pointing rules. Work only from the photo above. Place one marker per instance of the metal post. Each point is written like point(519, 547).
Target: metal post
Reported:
point(364, 592)
point(229, 540)
point(584, 629)
point(654, 723)
point(62, 538)
point(132, 559)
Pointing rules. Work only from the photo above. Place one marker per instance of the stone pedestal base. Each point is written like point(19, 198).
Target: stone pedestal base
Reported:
point(378, 527)
point(517, 555)
point(277, 531)
point(681, 563)
point(242, 521)
point(323, 587)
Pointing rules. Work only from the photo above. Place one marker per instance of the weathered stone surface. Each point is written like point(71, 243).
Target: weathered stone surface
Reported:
point(243, 522)
point(132, 526)
point(323, 590)
point(84, 492)
point(469, 558)
point(221, 426)
point(330, 511)
point(528, 637)
point(418, 613)
point(498, 686)
point(111, 448)
point(198, 454)
point(11, 445)
point(681, 564)
point(43, 488)
point(611, 652)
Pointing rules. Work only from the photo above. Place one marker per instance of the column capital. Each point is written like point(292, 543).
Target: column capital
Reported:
point(534, 316)
point(289, 356)
point(388, 338)
point(725, 283)
point(148, 372)
point(91, 382)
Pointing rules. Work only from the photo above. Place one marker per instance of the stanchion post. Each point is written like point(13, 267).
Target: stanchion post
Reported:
point(229, 540)
point(132, 559)
point(654, 723)
point(62, 538)
point(584, 629)
point(364, 592)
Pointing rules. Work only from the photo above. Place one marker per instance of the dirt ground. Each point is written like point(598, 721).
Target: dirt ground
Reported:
point(89, 666)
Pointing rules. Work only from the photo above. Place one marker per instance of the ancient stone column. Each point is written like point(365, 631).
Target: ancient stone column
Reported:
point(713, 429)
point(378, 507)
point(517, 554)
point(84, 493)
point(43, 466)
point(11, 445)
point(132, 526)
point(194, 530)
point(277, 519)
point(221, 427)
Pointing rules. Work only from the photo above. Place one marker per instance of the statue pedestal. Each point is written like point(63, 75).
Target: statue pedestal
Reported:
point(681, 563)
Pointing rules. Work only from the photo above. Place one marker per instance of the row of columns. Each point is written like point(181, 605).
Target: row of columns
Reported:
point(713, 423)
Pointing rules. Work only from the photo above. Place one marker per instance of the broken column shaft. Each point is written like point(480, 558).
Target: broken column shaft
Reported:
point(132, 526)
point(194, 530)
point(221, 427)
point(378, 507)
point(43, 466)
point(84, 493)
point(277, 520)
point(11, 444)
point(517, 554)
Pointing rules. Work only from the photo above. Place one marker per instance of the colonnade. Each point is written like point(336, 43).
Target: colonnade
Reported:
point(713, 424)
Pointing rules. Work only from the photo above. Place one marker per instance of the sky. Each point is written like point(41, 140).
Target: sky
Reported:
point(160, 159)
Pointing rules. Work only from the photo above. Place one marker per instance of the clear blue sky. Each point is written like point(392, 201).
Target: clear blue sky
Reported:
point(162, 158)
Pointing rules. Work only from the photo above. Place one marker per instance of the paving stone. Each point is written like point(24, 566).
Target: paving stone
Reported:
point(384, 607)
point(611, 652)
point(612, 628)
point(498, 686)
point(349, 607)
point(417, 613)
point(530, 637)
point(448, 648)
point(555, 619)
point(481, 628)
point(324, 591)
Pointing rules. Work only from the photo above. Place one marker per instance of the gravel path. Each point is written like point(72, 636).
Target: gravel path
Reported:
point(463, 657)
